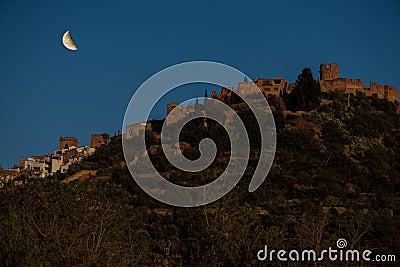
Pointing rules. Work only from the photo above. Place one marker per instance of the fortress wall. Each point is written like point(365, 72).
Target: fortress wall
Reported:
point(329, 81)
point(354, 85)
point(97, 140)
point(337, 85)
point(181, 113)
point(376, 89)
point(325, 85)
point(134, 129)
point(342, 85)
point(391, 93)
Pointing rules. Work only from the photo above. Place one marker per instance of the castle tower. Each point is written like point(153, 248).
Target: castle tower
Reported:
point(21, 162)
point(67, 142)
point(329, 71)
point(171, 106)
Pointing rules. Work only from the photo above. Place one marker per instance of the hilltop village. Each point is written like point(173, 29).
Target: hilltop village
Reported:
point(69, 152)
point(329, 81)
point(59, 161)
point(335, 173)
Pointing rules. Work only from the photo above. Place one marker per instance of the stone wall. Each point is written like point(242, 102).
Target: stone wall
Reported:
point(376, 89)
point(391, 93)
point(272, 86)
point(329, 71)
point(330, 81)
point(342, 85)
point(97, 140)
point(67, 142)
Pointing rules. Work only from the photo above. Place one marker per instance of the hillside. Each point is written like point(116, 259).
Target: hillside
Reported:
point(336, 174)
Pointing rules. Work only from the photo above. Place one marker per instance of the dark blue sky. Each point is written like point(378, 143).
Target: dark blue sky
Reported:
point(48, 91)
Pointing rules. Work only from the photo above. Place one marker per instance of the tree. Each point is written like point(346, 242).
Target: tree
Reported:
point(306, 94)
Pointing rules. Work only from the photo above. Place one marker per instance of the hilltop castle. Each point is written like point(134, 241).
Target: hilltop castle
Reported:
point(329, 82)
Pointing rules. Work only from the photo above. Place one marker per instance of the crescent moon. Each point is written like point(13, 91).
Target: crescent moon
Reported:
point(68, 42)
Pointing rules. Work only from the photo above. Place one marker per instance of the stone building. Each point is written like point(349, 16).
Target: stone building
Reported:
point(171, 106)
point(329, 72)
point(331, 81)
point(46, 165)
point(268, 86)
point(39, 166)
point(135, 129)
point(181, 113)
point(273, 86)
point(59, 161)
point(21, 161)
point(7, 176)
point(68, 142)
point(97, 140)
point(391, 93)
point(225, 93)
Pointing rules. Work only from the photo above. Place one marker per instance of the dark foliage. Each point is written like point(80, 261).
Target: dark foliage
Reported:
point(306, 94)
point(336, 174)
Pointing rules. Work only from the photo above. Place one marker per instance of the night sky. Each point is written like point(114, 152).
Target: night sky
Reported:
point(48, 91)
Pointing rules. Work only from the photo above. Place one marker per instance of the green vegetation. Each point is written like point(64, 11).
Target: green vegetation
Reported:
point(336, 175)
point(306, 94)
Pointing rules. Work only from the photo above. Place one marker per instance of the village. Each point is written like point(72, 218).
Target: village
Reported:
point(68, 153)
